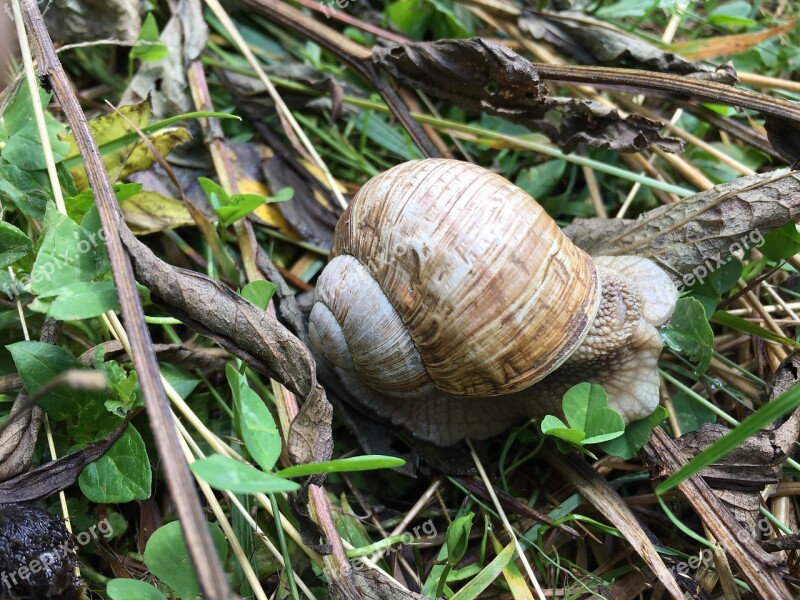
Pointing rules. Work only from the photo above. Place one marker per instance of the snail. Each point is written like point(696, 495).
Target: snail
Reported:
point(454, 306)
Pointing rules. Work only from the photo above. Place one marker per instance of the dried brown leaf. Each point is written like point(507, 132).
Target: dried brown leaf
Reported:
point(762, 571)
point(18, 440)
point(478, 75)
point(368, 585)
point(702, 229)
point(313, 221)
point(726, 45)
point(311, 434)
point(252, 334)
point(596, 42)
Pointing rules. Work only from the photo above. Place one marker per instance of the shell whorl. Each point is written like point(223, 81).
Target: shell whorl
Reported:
point(450, 276)
point(357, 329)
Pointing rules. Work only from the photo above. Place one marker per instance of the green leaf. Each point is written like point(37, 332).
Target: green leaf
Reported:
point(153, 50)
point(282, 195)
point(132, 589)
point(67, 254)
point(555, 427)
point(14, 244)
point(83, 300)
point(458, 538)
point(688, 331)
point(626, 8)
point(734, 15)
point(586, 409)
point(709, 290)
point(343, 465)
point(261, 436)
point(541, 180)
point(79, 204)
point(487, 576)
point(123, 384)
point(690, 413)
point(377, 128)
point(216, 194)
point(241, 205)
point(226, 474)
point(781, 243)
point(259, 292)
point(182, 381)
point(37, 363)
point(30, 191)
point(23, 147)
point(637, 434)
point(168, 559)
point(122, 474)
point(229, 209)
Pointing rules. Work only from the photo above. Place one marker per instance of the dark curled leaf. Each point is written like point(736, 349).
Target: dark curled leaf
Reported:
point(56, 475)
point(478, 75)
point(595, 42)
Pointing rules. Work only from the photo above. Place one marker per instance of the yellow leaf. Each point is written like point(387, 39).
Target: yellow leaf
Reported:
point(516, 582)
point(150, 212)
point(112, 126)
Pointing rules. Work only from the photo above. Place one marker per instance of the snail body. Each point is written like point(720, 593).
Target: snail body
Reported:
point(454, 306)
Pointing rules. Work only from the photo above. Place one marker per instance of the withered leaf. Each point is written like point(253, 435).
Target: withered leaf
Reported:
point(214, 310)
point(703, 229)
point(217, 311)
point(761, 570)
point(740, 476)
point(150, 212)
point(595, 42)
point(55, 476)
point(310, 434)
point(478, 75)
point(208, 360)
point(783, 136)
point(18, 440)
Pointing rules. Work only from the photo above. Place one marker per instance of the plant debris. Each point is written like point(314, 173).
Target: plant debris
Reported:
point(478, 75)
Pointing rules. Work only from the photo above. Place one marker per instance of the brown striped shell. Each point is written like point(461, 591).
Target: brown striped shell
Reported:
point(448, 277)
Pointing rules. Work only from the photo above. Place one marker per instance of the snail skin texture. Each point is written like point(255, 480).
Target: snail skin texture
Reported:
point(455, 306)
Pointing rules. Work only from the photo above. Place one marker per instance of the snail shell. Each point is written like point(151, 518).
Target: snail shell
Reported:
point(408, 317)
point(448, 282)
